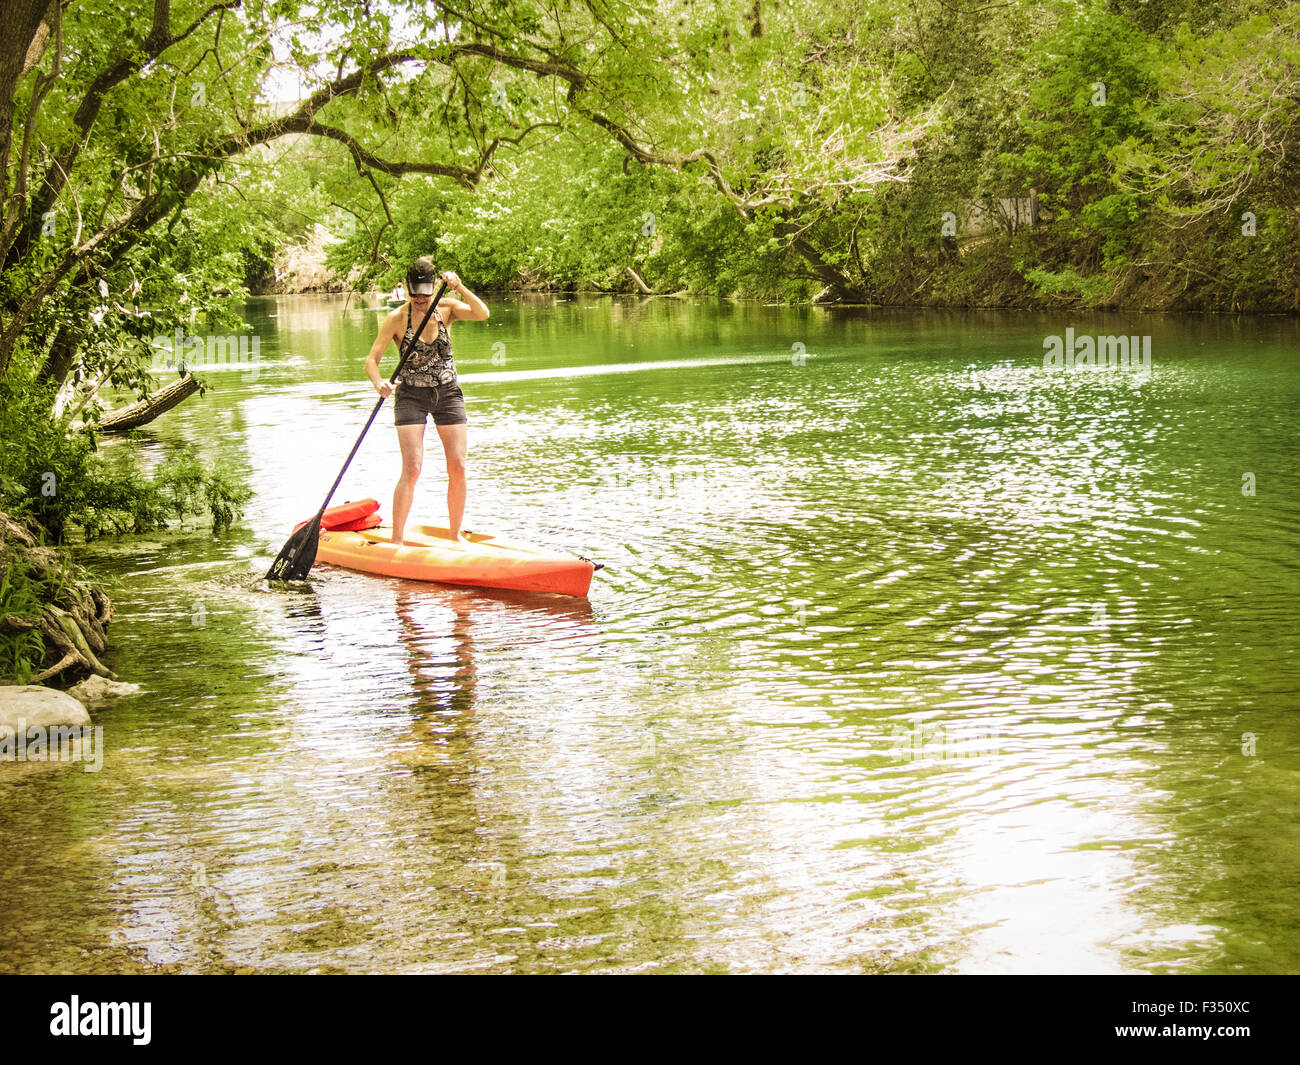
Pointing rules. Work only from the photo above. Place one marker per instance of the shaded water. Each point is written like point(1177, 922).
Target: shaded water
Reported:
point(912, 657)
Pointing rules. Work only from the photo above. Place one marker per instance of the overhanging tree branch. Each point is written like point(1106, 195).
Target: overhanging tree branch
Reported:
point(55, 177)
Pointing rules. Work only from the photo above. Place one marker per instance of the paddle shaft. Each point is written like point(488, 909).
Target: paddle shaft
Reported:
point(401, 361)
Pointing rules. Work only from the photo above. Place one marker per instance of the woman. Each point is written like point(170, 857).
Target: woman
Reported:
point(427, 386)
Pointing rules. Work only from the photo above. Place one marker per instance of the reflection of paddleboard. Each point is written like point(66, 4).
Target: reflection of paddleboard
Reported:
point(352, 538)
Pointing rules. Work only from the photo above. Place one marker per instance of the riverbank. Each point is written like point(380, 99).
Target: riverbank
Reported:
point(53, 622)
point(988, 274)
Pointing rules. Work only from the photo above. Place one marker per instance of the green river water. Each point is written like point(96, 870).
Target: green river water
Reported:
point(908, 656)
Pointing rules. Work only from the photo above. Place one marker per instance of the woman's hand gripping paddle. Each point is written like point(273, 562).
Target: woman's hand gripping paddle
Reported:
point(299, 552)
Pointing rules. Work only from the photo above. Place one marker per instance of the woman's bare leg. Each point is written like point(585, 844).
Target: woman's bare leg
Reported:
point(455, 445)
point(411, 439)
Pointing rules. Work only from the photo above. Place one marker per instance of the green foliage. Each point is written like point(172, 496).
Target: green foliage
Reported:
point(1114, 113)
point(843, 133)
point(224, 496)
point(574, 218)
point(1068, 283)
point(58, 479)
point(121, 498)
point(21, 595)
point(44, 469)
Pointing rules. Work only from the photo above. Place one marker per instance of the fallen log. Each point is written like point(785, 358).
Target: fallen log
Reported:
point(146, 410)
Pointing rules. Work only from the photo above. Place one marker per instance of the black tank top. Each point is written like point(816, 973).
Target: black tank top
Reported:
point(430, 364)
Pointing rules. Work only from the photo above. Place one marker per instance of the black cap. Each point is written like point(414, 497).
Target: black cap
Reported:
point(420, 276)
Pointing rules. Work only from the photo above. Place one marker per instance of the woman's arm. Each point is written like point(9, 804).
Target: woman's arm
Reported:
point(377, 349)
point(473, 309)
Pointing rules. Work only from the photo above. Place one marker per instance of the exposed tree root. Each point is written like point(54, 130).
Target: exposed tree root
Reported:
point(70, 615)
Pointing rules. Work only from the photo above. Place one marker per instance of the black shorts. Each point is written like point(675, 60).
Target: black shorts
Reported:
point(412, 405)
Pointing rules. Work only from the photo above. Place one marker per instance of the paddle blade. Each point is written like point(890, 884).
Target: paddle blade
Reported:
point(296, 557)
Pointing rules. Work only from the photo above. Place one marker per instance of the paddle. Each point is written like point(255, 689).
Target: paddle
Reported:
point(299, 552)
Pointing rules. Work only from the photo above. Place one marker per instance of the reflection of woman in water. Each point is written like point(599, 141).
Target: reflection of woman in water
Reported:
point(422, 630)
point(451, 819)
point(446, 676)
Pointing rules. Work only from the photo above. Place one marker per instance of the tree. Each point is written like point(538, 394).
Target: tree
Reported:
point(160, 102)
point(154, 107)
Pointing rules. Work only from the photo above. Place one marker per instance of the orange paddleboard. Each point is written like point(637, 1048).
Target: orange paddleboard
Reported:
point(478, 559)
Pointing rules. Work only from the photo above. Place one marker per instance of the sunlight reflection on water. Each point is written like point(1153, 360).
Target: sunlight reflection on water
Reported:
point(915, 658)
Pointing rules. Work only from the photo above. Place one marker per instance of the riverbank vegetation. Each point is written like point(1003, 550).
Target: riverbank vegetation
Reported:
point(53, 623)
point(935, 153)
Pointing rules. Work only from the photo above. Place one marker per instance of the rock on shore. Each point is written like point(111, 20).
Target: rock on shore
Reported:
point(38, 707)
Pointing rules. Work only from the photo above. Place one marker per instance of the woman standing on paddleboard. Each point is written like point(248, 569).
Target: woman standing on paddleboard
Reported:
point(427, 386)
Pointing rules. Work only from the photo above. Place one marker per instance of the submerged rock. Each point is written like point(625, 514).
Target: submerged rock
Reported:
point(97, 689)
point(36, 707)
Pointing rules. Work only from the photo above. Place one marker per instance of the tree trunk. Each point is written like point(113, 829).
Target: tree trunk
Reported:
point(20, 20)
point(646, 289)
point(59, 359)
point(146, 410)
point(840, 284)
